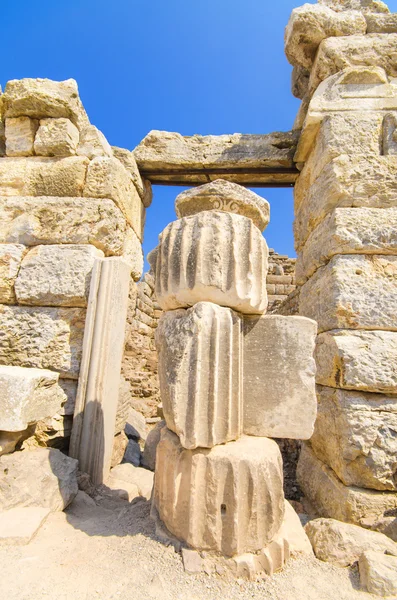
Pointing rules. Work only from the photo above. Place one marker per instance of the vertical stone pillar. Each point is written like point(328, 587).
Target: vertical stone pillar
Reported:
point(345, 235)
point(218, 483)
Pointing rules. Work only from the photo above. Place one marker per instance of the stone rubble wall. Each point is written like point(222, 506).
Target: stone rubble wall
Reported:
point(67, 200)
point(345, 237)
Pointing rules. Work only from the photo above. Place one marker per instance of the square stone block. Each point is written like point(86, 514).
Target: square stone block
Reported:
point(20, 133)
point(56, 137)
point(10, 260)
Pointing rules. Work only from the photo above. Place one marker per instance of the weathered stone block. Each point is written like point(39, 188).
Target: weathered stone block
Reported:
point(332, 499)
point(56, 137)
point(43, 176)
point(40, 98)
point(20, 133)
point(378, 573)
point(337, 53)
point(348, 231)
point(200, 372)
point(27, 396)
point(310, 24)
point(381, 23)
point(352, 292)
point(40, 477)
point(143, 186)
point(228, 499)
point(355, 435)
point(358, 360)
point(133, 254)
point(10, 260)
point(18, 526)
point(107, 178)
point(46, 338)
point(347, 182)
point(211, 257)
point(366, 6)
point(47, 220)
point(224, 196)
point(278, 375)
point(56, 275)
point(93, 143)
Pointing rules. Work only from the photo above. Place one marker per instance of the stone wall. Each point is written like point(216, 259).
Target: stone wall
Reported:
point(67, 201)
point(280, 281)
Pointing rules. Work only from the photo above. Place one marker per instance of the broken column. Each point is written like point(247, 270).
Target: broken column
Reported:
point(219, 483)
point(345, 224)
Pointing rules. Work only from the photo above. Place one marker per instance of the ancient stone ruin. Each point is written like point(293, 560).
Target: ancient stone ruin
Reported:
point(235, 325)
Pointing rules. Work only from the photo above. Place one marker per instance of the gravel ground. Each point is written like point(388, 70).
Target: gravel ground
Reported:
point(110, 551)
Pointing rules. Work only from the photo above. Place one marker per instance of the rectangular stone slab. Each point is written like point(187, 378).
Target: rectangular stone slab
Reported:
point(278, 376)
point(353, 292)
point(358, 360)
point(166, 157)
point(332, 499)
point(18, 526)
point(355, 434)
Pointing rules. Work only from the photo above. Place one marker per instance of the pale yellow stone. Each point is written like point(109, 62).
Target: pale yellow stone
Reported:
point(228, 499)
point(56, 275)
point(9, 440)
point(367, 6)
point(41, 98)
point(10, 260)
point(43, 176)
point(358, 360)
point(127, 159)
point(56, 137)
point(355, 435)
point(93, 143)
point(378, 573)
point(310, 24)
point(200, 373)
point(108, 178)
point(18, 526)
point(133, 253)
point(27, 396)
point(211, 257)
point(352, 292)
point(20, 134)
point(332, 499)
point(46, 338)
point(224, 196)
point(49, 220)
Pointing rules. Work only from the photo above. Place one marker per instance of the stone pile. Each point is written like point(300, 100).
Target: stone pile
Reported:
point(345, 233)
point(72, 212)
point(231, 379)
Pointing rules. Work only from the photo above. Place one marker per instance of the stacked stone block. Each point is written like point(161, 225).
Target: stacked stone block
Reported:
point(68, 203)
point(280, 281)
point(345, 232)
point(230, 379)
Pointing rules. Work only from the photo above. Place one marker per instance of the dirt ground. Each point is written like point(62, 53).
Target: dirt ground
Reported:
point(111, 552)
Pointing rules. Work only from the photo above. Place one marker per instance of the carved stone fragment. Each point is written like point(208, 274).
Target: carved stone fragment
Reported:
point(56, 137)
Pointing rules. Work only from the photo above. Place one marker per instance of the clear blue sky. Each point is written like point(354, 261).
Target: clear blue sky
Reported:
point(192, 66)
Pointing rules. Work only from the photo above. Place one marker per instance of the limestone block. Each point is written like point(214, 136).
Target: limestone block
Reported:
point(337, 53)
point(41, 477)
point(97, 399)
point(294, 534)
point(278, 374)
point(143, 187)
point(150, 449)
point(93, 143)
point(378, 573)
point(133, 253)
point(366, 6)
point(20, 133)
point(332, 499)
point(18, 526)
point(47, 220)
point(45, 338)
point(352, 292)
point(348, 231)
point(120, 444)
point(41, 98)
point(310, 24)
point(40, 176)
point(200, 373)
point(224, 196)
point(238, 484)
point(56, 137)
point(107, 178)
point(355, 435)
point(300, 82)
point(342, 543)
point(142, 478)
point(56, 275)
point(358, 360)
point(381, 23)
point(27, 396)
point(347, 182)
point(215, 257)
point(10, 260)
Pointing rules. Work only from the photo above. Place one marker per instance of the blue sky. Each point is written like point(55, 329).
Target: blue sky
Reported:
point(192, 66)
